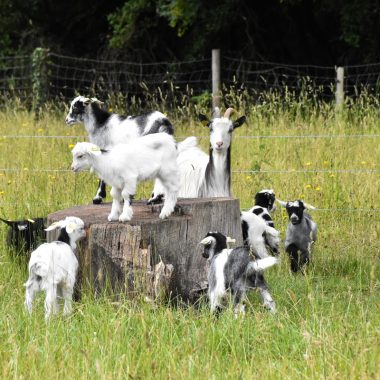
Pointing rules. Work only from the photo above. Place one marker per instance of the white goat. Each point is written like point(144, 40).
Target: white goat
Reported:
point(205, 175)
point(148, 157)
point(234, 270)
point(53, 267)
point(300, 234)
point(258, 235)
point(107, 129)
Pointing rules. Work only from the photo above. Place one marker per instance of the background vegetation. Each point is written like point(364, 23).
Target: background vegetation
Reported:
point(326, 32)
point(327, 325)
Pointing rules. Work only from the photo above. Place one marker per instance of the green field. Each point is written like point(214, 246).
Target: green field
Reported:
point(328, 322)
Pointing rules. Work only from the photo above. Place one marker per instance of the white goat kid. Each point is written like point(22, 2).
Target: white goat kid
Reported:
point(53, 267)
point(124, 166)
point(207, 175)
point(107, 129)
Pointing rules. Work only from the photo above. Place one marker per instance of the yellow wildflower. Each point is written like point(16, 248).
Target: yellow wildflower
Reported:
point(71, 146)
point(325, 162)
point(110, 109)
point(40, 130)
point(331, 175)
point(307, 163)
point(363, 162)
point(308, 187)
point(318, 188)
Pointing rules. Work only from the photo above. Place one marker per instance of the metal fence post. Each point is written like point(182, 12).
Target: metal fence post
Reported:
point(339, 94)
point(40, 78)
point(216, 86)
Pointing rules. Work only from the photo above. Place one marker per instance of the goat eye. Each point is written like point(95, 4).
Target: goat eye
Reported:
point(80, 156)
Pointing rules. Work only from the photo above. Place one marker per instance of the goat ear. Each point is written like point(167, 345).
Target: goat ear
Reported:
point(282, 203)
point(308, 206)
point(53, 226)
point(206, 241)
point(97, 101)
point(9, 222)
point(95, 150)
point(86, 101)
point(71, 227)
point(204, 120)
point(237, 123)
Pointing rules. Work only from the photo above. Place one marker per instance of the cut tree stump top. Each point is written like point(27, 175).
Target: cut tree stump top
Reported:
point(115, 251)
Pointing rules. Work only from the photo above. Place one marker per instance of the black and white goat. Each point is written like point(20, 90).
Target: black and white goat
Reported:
point(125, 165)
point(258, 235)
point(107, 129)
point(234, 270)
point(25, 234)
point(300, 234)
point(53, 267)
point(206, 175)
point(264, 205)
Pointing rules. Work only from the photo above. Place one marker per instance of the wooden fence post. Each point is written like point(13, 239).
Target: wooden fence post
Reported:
point(40, 78)
point(339, 94)
point(216, 87)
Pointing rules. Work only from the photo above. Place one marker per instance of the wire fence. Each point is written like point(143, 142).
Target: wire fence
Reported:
point(65, 76)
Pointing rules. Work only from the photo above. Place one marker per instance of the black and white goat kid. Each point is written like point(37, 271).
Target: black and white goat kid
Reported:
point(107, 129)
point(25, 234)
point(205, 175)
point(300, 234)
point(264, 205)
point(234, 270)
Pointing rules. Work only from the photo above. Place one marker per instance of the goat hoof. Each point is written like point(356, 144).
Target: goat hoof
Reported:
point(97, 200)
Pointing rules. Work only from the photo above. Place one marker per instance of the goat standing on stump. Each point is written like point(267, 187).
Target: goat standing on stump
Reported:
point(53, 267)
point(300, 234)
point(234, 270)
point(206, 175)
point(107, 129)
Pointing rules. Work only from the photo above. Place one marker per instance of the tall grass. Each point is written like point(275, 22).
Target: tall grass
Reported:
point(327, 325)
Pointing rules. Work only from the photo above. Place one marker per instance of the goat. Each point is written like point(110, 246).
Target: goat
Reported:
point(53, 267)
point(258, 235)
point(25, 234)
point(107, 129)
point(235, 270)
point(264, 205)
point(300, 234)
point(205, 175)
point(148, 157)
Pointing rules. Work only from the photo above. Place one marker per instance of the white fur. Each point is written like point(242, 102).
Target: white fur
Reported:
point(124, 166)
point(193, 162)
point(258, 230)
point(53, 268)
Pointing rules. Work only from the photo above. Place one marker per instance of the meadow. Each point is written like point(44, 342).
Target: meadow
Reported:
point(328, 321)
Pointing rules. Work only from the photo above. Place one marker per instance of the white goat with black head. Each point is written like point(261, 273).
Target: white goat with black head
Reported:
point(206, 175)
point(258, 227)
point(264, 205)
point(300, 234)
point(53, 267)
point(234, 270)
point(107, 129)
point(125, 165)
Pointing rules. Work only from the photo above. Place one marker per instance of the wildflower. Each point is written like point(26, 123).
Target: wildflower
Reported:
point(1, 193)
point(301, 196)
point(363, 162)
point(331, 175)
point(26, 169)
point(1, 174)
point(325, 162)
point(307, 163)
point(308, 187)
point(71, 146)
point(40, 130)
point(110, 109)
point(9, 182)
point(318, 188)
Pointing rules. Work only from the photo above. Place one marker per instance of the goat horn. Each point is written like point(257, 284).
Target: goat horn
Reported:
point(282, 203)
point(228, 112)
point(309, 206)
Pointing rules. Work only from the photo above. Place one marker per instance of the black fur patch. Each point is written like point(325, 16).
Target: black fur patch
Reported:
point(64, 236)
point(257, 211)
point(221, 240)
point(101, 116)
point(244, 229)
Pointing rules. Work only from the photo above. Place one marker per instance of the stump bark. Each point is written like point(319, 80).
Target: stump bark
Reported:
point(124, 255)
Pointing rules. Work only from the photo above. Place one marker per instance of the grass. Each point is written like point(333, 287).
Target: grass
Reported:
point(327, 325)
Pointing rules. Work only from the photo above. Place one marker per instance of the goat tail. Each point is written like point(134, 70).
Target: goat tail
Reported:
point(261, 265)
point(189, 142)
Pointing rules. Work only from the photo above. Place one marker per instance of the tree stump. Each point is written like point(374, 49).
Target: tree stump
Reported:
point(124, 255)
